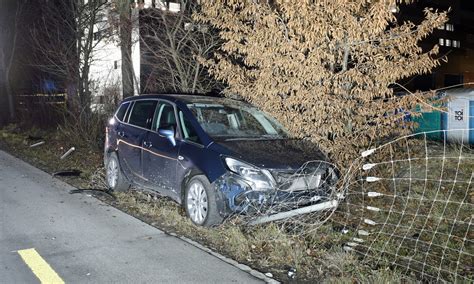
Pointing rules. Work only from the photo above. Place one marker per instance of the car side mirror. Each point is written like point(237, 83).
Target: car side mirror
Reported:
point(168, 133)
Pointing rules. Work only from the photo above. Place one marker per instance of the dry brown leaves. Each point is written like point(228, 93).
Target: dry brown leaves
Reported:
point(323, 68)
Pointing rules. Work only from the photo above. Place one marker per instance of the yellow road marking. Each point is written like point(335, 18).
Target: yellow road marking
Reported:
point(40, 267)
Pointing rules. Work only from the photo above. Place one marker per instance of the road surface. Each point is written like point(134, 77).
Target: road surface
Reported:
point(48, 234)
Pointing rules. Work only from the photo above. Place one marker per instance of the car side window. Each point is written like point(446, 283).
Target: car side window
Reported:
point(121, 111)
point(189, 133)
point(142, 113)
point(165, 119)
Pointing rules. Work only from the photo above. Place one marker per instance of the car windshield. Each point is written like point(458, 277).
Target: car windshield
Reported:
point(236, 121)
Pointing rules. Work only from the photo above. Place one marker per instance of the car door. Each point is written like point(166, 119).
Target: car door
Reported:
point(160, 156)
point(131, 136)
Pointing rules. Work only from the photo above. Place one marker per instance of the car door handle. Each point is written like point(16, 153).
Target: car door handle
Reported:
point(121, 134)
point(147, 144)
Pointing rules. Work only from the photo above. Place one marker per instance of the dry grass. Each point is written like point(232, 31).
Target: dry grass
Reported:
point(424, 216)
point(265, 247)
point(47, 156)
point(271, 248)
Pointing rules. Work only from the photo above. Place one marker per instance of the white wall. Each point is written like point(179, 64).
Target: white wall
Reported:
point(136, 58)
point(458, 114)
point(107, 58)
point(174, 6)
point(106, 66)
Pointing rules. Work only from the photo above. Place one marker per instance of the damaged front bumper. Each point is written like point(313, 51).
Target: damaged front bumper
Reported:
point(236, 195)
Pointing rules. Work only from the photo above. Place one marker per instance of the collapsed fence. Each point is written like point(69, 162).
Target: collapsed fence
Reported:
point(407, 205)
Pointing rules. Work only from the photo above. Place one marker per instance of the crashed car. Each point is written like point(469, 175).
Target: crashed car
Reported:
point(215, 156)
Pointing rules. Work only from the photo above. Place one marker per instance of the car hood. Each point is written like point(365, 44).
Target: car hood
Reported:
point(272, 153)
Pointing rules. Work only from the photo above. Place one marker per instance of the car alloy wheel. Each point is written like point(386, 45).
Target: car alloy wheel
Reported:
point(112, 173)
point(114, 177)
point(197, 202)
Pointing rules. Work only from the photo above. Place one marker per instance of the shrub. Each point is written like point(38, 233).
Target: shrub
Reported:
point(324, 68)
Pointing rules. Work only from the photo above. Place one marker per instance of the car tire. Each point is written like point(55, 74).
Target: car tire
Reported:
point(200, 202)
point(114, 176)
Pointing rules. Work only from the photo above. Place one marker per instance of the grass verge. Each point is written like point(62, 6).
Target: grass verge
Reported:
point(316, 257)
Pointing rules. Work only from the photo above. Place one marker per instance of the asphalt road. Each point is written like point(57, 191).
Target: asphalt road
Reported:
point(47, 232)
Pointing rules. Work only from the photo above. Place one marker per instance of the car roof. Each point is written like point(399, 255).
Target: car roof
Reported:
point(186, 98)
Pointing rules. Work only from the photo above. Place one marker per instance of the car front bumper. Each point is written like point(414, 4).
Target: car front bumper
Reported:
point(235, 195)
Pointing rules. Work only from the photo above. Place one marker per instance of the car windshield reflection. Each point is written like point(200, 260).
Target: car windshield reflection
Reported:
point(236, 121)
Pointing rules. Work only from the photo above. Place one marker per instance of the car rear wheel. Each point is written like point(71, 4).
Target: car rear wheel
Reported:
point(200, 203)
point(115, 179)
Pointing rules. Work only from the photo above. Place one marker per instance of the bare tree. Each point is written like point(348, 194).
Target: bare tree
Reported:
point(65, 39)
point(8, 47)
point(172, 45)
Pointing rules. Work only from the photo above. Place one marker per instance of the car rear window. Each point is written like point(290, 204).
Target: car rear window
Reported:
point(142, 113)
point(122, 110)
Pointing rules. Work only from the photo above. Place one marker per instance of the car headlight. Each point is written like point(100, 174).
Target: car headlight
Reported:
point(258, 178)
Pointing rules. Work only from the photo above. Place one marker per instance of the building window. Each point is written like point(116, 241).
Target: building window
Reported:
point(456, 43)
point(174, 7)
point(441, 41)
point(450, 27)
point(115, 64)
point(100, 99)
point(448, 42)
point(97, 35)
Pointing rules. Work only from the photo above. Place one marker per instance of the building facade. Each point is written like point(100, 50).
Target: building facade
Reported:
point(106, 69)
point(456, 42)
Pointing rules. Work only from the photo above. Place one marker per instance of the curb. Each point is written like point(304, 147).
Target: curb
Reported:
point(243, 267)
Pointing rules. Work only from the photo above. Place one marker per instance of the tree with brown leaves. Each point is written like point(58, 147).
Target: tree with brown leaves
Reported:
point(324, 68)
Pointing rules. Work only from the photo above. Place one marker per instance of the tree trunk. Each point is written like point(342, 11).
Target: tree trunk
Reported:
point(86, 95)
point(10, 97)
point(126, 50)
point(9, 65)
point(3, 103)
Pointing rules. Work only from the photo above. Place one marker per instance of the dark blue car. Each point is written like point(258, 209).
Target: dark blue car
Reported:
point(215, 156)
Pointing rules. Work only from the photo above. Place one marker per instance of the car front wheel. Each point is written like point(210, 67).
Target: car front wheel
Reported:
point(115, 179)
point(200, 203)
